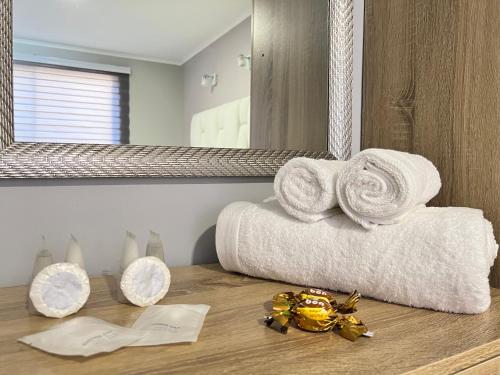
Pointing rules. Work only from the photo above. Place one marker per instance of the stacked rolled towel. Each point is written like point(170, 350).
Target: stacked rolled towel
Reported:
point(438, 258)
point(375, 187)
point(380, 186)
point(305, 188)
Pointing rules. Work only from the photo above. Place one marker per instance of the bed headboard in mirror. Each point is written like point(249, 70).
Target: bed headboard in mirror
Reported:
point(183, 88)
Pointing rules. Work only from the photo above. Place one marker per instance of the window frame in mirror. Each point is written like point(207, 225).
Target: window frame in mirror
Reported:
point(66, 160)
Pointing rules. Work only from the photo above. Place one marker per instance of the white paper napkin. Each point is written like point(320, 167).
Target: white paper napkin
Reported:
point(170, 324)
point(83, 336)
point(86, 336)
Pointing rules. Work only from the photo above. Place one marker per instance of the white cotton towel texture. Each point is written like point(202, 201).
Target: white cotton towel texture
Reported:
point(380, 186)
point(439, 258)
point(305, 188)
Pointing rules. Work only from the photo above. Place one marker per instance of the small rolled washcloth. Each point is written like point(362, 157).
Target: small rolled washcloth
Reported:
point(380, 186)
point(439, 258)
point(305, 188)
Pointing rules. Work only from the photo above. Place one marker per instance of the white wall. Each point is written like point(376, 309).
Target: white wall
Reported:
point(98, 212)
point(219, 57)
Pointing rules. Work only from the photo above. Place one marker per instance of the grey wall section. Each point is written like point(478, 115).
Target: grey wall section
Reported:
point(98, 212)
point(219, 57)
point(156, 94)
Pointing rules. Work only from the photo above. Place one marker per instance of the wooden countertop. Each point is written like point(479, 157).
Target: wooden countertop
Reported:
point(234, 338)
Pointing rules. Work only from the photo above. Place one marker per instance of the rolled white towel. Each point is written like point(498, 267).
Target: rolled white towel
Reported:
point(305, 187)
point(439, 258)
point(382, 186)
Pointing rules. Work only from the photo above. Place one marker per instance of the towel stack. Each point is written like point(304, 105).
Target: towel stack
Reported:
point(363, 225)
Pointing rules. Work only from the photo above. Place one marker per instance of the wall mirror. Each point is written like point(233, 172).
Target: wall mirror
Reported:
point(104, 88)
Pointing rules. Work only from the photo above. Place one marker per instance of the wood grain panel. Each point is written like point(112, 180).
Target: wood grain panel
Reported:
point(432, 86)
point(289, 91)
point(474, 361)
point(235, 340)
point(488, 367)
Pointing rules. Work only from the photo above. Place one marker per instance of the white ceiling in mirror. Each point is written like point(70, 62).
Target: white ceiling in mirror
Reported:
point(170, 31)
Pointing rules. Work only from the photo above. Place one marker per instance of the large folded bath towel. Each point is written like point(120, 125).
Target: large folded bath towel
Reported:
point(383, 186)
point(305, 187)
point(439, 258)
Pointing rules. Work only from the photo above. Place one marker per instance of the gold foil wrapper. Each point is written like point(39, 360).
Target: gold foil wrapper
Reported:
point(313, 293)
point(284, 301)
point(314, 315)
point(314, 325)
point(351, 328)
point(282, 311)
point(279, 321)
point(316, 310)
point(349, 305)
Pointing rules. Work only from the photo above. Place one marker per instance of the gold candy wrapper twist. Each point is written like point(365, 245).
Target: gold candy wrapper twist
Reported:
point(316, 310)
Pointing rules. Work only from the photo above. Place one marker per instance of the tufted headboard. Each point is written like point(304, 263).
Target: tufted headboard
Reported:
point(225, 126)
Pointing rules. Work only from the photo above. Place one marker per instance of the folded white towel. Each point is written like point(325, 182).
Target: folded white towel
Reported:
point(439, 258)
point(382, 186)
point(305, 187)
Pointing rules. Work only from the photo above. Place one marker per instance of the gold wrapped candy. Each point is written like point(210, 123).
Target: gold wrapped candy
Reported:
point(349, 305)
point(282, 311)
point(315, 315)
point(314, 293)
point(317, 310)
point(351, 328)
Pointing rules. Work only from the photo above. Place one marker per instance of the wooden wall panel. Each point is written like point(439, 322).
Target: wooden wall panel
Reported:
point(431, 85)
point(289, 94)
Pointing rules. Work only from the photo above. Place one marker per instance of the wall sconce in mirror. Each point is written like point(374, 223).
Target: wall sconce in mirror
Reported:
point(209, 80)
point(244, 61)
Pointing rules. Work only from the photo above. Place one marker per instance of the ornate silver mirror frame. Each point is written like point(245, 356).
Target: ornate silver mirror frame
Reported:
point(51, 160)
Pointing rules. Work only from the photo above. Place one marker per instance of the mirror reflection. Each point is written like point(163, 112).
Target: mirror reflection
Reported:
point(156, 72)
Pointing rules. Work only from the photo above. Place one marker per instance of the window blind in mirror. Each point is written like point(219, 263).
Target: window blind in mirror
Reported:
point(68, 105)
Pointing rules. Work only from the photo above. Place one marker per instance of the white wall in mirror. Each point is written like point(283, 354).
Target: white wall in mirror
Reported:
point(233, 80)
point(167, 45)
